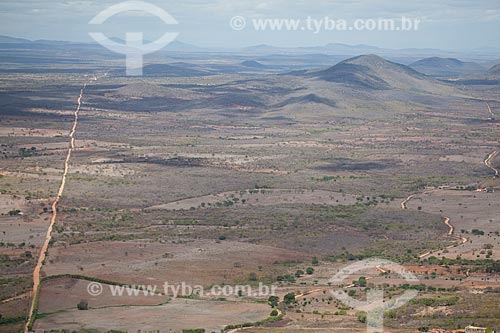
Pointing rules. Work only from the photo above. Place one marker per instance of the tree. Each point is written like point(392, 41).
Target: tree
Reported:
point(273, 301)
point(315, 261)
point(274, 313)
point(83, 305)
point(289, 298)
point(361, 315)
point(362, 281)
point(14, 212)
point(299, 273)
point(309, 270)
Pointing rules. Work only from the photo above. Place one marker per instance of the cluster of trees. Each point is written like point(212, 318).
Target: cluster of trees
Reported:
point(274, 301)
point(24, 152)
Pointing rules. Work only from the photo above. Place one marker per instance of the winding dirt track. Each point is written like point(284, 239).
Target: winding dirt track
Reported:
point(494, 154)
point(488, 161)
point(48, 237)
point(462, 240)
point(451, 228)
point(404, 202)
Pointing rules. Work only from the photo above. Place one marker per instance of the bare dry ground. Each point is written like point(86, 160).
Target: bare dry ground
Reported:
point(65, 293)
point(193, 262)
point(176, 315)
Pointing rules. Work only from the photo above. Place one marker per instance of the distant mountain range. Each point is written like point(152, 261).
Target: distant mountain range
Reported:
point(402, 69)
point(446, 67)
point(401, 55)
point(329, 49)
point(13, 40)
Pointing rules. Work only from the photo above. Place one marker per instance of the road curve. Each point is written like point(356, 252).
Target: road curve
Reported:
point(451, 228)
point(48, 236)
point(404, 202)
point(488, 162)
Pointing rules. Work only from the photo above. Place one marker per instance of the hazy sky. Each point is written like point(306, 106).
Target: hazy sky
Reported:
point(445, 24)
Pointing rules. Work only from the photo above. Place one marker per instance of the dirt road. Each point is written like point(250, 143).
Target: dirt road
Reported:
point(447, 222)
point(404, 202)
point(488, 161)
point(494, 154)
point(48, 237)
point(451, 228)
point(490, 111)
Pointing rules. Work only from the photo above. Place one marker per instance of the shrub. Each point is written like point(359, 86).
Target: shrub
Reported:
point(83, 305)
point(299, 273)
point(14, 212)
point(273, 301)
point(361, 315)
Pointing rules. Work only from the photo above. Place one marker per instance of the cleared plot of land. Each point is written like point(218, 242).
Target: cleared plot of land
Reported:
point(176, 315)
point(65, 293)
point(29, 132)
point(195, 262)
point(17, 230)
